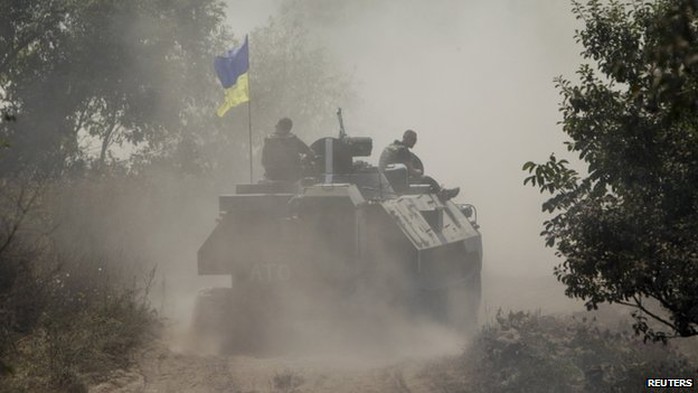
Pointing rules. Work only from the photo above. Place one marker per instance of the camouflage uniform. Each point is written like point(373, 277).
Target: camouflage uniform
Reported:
point(394, 153)
point(281, 157)
point(398, 153)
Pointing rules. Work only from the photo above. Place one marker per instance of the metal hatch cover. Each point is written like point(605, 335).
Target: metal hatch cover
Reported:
point(410, 213)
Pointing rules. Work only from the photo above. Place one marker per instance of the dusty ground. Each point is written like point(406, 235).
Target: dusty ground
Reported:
point(162, 370)
point(398, 359)
point(408, 358)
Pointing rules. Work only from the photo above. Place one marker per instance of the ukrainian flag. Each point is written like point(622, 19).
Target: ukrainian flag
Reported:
point(232, 72)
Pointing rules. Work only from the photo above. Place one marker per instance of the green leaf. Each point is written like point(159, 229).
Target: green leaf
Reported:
point(631, 119)
point(528, 166)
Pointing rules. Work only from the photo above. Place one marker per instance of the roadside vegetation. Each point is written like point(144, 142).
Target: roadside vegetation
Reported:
point(65, 317)
point(530, 352)
point(82, 275)
point(626, 227)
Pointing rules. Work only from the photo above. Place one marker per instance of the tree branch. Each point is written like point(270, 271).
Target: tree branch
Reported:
point(21, 212)
point(106, 141)
point(638, 305)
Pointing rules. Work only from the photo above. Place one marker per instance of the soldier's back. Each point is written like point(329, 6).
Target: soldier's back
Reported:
point(281, 157)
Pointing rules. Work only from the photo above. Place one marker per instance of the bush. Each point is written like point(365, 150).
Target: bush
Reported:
point(529, 352)
point(66, 320)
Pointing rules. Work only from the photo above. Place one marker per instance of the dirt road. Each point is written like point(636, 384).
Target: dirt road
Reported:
point(162, 370)
point(400, 357)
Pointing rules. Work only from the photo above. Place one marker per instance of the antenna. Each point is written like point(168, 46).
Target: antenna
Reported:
point(342, 132)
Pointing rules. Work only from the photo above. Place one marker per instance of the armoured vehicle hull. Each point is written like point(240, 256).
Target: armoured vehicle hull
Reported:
point(347, 233)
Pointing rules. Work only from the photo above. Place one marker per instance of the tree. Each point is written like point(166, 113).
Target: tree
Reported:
point(139, 74)
point(290, 76)
point(294, 77)
point(114, 71)
point(627, 229)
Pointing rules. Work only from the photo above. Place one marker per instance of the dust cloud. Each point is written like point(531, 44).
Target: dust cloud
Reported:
point(475, 80)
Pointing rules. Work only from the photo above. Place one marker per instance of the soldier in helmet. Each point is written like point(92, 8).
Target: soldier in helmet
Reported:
point(283, 153)
point(399, 152)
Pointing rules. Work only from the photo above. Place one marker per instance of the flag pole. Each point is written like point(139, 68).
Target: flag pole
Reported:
point(249, 107)
point(249, 124)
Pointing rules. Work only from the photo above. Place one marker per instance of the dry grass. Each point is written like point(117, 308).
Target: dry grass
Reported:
point(66, 319)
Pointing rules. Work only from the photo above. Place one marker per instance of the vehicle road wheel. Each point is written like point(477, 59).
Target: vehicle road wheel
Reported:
point(211, 314)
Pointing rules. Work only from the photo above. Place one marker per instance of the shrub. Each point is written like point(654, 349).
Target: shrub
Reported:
point(529, 352)
point(65, 319)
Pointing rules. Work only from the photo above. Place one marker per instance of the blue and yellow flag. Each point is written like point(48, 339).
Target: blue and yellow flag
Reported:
point(232, 72)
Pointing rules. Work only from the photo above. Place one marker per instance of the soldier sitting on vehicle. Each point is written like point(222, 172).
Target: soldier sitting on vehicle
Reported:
point(284, 153)
point(399, 152)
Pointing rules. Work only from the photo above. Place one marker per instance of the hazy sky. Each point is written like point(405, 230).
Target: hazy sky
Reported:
point(474, 79)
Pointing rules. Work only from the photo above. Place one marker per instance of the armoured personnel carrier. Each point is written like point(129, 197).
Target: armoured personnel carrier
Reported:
point(296, 251)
